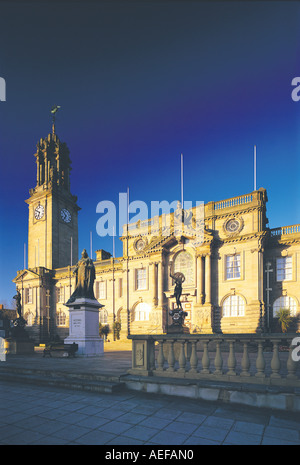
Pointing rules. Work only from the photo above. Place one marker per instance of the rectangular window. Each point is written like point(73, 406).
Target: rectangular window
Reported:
point(101, 290)
point(284, 268)
point(61, 318)
point(233, 266)
point(60, 294)
point(141, 279)
point(103, 317)
point(28, 295)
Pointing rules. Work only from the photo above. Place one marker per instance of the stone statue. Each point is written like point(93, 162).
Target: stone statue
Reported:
point(85, 277)
point(17, 298)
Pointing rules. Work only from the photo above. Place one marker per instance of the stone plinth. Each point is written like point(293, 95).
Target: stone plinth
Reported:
point(2, 349)
point(178, 329)
point(84, 327)
point(19, 342)
point(19, 346)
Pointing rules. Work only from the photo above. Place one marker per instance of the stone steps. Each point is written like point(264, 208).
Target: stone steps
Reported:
point(76, 381)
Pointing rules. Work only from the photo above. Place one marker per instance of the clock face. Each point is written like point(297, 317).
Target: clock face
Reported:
point(39, 212)
point(65, 215)
point(232, 225)
point(140, 245)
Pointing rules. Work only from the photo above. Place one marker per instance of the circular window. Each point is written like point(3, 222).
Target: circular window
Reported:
point(232, 225)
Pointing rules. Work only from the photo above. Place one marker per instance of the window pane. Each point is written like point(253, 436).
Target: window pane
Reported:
point(101, 290)
point(141, 312)
point(141, 278)
point(233, 266)
point(233, 306)
point(285, 302)
point(184, 263)
point(61, 318)
point(284, 268)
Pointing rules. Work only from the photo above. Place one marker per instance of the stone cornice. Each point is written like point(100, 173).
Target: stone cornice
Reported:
point(262, 235)
point(232, 213)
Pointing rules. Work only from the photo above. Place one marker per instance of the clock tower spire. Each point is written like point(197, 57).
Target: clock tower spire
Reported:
point(53, 210)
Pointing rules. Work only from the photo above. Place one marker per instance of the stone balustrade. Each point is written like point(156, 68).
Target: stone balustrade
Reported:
point(242, 358)
point(234, 201)
point(293, 229)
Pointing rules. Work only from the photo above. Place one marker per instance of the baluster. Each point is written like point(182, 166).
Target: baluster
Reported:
point(260, 362)
point(245, 361)
point(182, 358)
point(205, 358)
point(231, 359)
point(171, 357)
point(152, 355)
point(275, 362)
point(291, 365)
point(160, 356)
point(194, 358)
point(218, 360)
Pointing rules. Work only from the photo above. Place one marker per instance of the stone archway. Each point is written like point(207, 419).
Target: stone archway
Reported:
point(121, 316)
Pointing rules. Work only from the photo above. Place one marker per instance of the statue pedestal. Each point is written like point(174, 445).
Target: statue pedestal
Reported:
point(19, 342)
point(84, 327)
point(178, 329)
point(19, 346)
point(2, 349)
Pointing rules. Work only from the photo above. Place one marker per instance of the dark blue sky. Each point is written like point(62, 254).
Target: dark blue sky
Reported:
point(139, 83)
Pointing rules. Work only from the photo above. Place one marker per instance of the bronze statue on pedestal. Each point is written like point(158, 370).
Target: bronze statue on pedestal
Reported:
point(85, 277)
point(177, 314)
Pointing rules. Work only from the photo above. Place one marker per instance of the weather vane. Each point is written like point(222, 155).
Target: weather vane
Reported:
point(54, 110)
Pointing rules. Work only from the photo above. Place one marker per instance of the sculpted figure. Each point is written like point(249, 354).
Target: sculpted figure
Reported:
point(179, 279)
point(85, 277)
point(17, 298)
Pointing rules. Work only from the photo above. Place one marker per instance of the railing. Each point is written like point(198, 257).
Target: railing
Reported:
point(233, 202)
point(295, 228)
point(250, 358)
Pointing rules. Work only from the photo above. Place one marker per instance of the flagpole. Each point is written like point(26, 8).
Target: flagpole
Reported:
point(127, 270)
point(113, 263)
point(255, 167)
point(71, 263)
point(114, 255)
point(182, 181)
point(24, 256)
point(91, 244)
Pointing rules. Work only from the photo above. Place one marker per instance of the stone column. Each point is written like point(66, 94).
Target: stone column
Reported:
point(199, 280)
point(208, 278)
point(160, 284)
point(154, 284)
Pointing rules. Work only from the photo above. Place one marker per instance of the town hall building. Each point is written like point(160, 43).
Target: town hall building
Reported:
point(236, 278)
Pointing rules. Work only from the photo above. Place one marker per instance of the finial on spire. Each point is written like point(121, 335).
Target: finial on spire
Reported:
point(54, 110)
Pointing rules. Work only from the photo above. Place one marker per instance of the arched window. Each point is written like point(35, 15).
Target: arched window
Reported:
point(103, 317)
point(141, 312)
point(61, 318)
point(234, 305)
point(184, 263)
point(29, 317)
point(285, 302)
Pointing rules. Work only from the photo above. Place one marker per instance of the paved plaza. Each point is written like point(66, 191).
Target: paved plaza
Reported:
point(44, 415)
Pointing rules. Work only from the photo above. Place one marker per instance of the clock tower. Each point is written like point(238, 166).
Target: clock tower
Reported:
point(53, 210)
